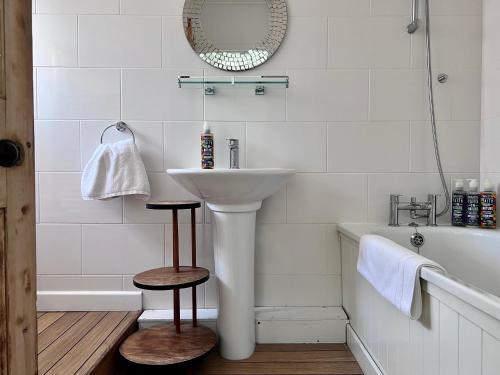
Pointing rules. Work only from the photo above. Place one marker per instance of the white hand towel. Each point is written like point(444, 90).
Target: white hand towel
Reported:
point(115, 169)
point(394, 271)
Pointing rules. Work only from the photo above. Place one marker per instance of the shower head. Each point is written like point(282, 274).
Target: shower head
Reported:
point(413, 26)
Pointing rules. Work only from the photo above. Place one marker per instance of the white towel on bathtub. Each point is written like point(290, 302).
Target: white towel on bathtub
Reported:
point(394, 271)
point(115, 169)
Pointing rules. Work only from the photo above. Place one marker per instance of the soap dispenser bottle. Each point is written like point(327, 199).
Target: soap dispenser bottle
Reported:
point(458, 207)
point(207, 148)
point(473, 204)
point(488, 200)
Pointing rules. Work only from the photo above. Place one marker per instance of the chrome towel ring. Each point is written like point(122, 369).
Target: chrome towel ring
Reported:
point(121, 127)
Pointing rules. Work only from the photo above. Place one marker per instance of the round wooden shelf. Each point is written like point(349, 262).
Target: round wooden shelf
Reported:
point(173, 205)
point(161, 345)
point(167, 278)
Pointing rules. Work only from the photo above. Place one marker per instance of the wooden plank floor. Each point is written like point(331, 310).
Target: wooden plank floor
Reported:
point(286, 359)
point(86, 343)
point(81, 342)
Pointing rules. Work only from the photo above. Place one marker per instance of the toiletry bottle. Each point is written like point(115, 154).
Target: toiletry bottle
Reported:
point(207, 148)
point(458, 207)
point(488, 202)
point(473, 204)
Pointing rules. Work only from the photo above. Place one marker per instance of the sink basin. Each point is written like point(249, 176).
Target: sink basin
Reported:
point(231, 186)
point(234, 196)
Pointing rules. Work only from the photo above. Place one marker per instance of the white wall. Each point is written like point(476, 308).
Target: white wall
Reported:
point(490, 114)
point(353, 123)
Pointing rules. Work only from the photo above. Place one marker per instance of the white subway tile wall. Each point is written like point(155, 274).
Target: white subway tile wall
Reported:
point(354, 123)
point(490, 113)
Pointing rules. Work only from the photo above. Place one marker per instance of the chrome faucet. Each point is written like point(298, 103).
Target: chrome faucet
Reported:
point(415, 208)
point(234, 153)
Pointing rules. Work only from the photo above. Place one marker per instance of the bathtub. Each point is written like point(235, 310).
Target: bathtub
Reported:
point(459, 331)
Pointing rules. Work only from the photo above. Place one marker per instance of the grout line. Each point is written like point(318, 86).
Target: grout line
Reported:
point(164, 148)
point(121, 94)
point(367, 197)
point(286, 203)
point(164, 232)
point(35, 94)
point(80, 131)
point(78, 64)
point(327, 147)
point(410, 150)
point(370, 104)
point(81, 249)
point(327, 49)
point(161, 40)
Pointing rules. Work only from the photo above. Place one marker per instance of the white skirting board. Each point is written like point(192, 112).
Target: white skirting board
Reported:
point(274, 324)
point(89, 301)
point(361, 354)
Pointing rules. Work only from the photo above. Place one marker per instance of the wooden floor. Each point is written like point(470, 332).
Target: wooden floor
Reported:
point(301, 359)
point(81, 342)
point(87, 342)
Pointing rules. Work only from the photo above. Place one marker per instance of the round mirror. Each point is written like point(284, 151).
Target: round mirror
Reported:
point(235, 35)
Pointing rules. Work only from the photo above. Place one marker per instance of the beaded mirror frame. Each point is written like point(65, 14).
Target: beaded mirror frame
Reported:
point(230, 60)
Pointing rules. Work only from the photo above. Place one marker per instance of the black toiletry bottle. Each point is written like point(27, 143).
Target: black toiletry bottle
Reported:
point(473, 204)
point(488, 206)
point(458, 207)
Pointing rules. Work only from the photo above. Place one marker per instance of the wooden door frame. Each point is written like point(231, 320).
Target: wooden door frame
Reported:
point(18, 340)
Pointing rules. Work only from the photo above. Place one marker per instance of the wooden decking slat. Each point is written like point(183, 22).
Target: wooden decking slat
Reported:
point(126, 326)
point(50, 356)
point(300, 347)
point(64, 323)
point(39, 315)
point(292, 357)
point(302, 368)
point(83, 350)
point(46, 320)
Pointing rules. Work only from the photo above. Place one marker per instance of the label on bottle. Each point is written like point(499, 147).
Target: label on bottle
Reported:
point(207, 151)
point(488, 210)
point(458, 209)
point(473, 209)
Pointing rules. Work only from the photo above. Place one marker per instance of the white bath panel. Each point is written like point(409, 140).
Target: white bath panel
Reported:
point(448, 340)
point(359, 351)
point(469, 346)
point(491, 359)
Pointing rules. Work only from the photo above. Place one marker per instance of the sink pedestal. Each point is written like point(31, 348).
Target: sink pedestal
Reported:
point(234, 248)
point(234, 196)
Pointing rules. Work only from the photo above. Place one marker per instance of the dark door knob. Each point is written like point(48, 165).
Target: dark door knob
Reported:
point(11, 153)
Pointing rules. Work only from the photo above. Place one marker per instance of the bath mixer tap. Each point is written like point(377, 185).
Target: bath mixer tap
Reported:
point(234, 153)
point(418, 210)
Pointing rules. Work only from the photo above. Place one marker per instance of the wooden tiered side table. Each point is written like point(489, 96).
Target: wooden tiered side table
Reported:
point(175, 343)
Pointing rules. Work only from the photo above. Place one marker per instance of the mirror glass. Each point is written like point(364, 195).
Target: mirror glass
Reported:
point(235, 35)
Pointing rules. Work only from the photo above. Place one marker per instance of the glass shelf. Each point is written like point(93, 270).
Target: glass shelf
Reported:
point(259, 82)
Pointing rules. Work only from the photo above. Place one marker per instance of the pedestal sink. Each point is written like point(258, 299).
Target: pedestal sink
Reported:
point(234, 196)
